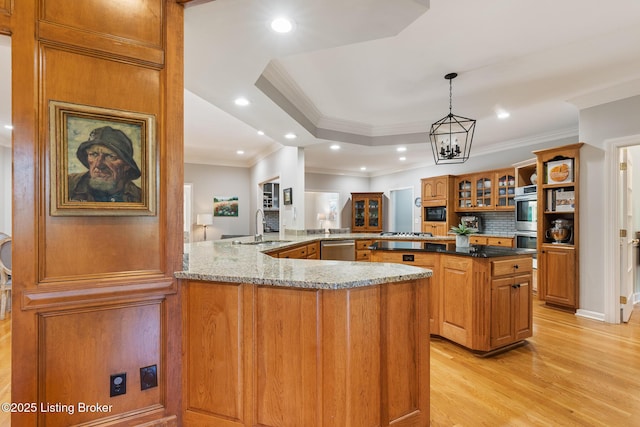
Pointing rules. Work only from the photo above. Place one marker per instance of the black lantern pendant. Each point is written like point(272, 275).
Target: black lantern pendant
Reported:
point(452, 135)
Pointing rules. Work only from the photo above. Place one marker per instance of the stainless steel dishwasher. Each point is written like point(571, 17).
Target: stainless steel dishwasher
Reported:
point(343, 250)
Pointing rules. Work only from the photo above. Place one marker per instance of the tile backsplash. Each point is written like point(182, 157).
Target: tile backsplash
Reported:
point(498, 222)
point(272, 219)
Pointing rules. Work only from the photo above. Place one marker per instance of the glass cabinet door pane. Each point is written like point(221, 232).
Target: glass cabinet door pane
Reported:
point(359, 213)
point(373, 213)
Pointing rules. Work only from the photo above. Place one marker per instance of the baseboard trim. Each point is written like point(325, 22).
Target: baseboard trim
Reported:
point(590, 314)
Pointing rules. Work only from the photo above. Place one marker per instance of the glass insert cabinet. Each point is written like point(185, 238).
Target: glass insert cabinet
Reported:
point(367, 213)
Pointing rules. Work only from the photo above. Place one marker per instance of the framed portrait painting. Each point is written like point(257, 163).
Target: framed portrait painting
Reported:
point(102, 161)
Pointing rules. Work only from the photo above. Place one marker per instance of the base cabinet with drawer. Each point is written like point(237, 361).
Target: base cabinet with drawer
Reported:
point(483, 304)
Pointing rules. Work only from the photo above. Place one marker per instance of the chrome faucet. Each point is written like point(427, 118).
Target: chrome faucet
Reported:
point(258, 236)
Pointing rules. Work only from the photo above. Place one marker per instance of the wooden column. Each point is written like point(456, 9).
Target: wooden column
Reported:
point(95, 295)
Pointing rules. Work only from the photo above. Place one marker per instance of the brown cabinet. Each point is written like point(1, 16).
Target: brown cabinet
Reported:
point(557, 275)
point(367, 212)
point(435, 190)
point(475, 192)
point(438, 192)
point(436, 228)
point(424, 260)
point(558, 204)
point(511, 301)
point(363, 253)
point(505, 179)
point(481, 304)
point(281, 356)
point(506, 242)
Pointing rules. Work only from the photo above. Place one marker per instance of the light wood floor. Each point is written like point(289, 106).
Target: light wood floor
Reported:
point(573, 372)
point(5, 368)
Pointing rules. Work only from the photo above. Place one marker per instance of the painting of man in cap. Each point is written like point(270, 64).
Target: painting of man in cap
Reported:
point(108, 156)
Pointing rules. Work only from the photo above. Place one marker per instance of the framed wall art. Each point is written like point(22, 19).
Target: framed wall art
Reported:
point(225, 206)
point(287, 197)
point(103, 161)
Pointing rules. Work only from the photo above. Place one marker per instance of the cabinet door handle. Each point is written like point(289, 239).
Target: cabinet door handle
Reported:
point(515, 286)
point(516, 266)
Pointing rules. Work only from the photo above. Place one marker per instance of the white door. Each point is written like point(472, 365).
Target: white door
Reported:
point(627, 259)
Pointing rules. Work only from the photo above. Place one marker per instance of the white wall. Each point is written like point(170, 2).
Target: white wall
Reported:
point(286, 164)
point(344, 185)
point(209, 181)
point(597, 125)
point(5, 189)
point(634, 153)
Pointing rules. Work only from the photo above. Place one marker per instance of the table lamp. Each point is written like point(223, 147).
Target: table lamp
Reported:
point(204, 220)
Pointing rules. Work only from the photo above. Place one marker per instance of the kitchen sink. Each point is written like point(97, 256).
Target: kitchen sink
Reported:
point(265, 242)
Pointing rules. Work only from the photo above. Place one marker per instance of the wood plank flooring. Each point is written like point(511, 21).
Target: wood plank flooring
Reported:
point(572, 372)
point(5, 367)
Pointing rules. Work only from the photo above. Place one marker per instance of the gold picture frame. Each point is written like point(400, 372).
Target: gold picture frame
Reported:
point(103, 161)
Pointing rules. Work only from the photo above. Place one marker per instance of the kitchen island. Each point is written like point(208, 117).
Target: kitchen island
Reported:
point(480, 297)
point(296, 342)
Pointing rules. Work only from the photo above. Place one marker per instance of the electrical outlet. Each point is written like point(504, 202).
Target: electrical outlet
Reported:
point(118, 384)
point(148, 377)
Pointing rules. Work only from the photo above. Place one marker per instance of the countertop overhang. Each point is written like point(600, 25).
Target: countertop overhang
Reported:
point(241, 261)
point(476, 251)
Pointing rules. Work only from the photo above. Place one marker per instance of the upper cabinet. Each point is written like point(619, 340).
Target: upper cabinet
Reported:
point(506, 189)
point(435, 191)
point(366, 212)
point(474, 192)
point(485, 191)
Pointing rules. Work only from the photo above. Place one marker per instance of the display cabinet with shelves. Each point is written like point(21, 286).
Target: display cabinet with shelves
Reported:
point(506, 182)
point(366, 212)
point(475, 192)
point(559, 225)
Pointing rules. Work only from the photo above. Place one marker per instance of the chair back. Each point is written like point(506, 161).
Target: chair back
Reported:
point(5, 254)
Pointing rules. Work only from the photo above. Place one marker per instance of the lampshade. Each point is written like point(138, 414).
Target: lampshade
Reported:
point(204, 219)
point(321, 217)
point(451, 136)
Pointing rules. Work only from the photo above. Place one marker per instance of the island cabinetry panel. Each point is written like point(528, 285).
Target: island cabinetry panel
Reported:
point(424, 260)
point(456, 286)
point(279, 356)
point(480, 303)
point(511, 301)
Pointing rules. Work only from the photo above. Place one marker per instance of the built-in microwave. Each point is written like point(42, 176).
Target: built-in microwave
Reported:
point(436, 213)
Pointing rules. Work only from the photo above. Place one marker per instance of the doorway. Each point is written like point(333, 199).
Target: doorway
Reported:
point(622, 257)
point(401, 207)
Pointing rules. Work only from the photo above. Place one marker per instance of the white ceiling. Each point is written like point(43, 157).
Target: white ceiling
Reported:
point(370, 75)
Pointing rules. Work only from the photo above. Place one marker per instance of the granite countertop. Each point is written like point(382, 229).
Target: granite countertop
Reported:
point(240, 261)
point(476, 251)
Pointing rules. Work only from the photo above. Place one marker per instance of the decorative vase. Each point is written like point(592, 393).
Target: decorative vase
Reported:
point(462, 241)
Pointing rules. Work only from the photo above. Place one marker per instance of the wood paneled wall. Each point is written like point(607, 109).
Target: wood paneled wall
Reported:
point(95, 295)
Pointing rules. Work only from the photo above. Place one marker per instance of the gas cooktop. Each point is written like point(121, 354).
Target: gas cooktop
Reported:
point(405, 234)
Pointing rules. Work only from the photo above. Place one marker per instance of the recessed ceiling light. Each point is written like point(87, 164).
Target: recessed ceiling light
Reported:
point(239, 152)
point(282, 25)
point(242, 102)
point(335, 147)
point(260, 132)
point(363, 168)
point(502, 114)
point(291, 135)
point(401, 149)
point(8, 127)
point(402, 159)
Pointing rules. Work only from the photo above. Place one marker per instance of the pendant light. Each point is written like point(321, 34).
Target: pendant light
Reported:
point(452, 135)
